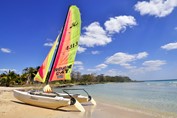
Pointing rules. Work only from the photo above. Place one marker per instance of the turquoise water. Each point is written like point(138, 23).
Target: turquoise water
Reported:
point(155, 96)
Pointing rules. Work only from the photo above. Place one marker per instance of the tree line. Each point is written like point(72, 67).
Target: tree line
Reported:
point(11, 78)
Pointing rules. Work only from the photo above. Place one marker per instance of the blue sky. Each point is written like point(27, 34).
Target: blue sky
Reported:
point(135, 38)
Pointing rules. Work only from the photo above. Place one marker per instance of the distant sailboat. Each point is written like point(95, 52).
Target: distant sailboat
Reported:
point(60, 59)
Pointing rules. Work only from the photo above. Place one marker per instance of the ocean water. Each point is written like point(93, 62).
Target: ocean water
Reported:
point(158, 96)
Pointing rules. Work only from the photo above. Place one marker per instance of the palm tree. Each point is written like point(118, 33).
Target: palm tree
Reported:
point(8, 78)
point(29, 73)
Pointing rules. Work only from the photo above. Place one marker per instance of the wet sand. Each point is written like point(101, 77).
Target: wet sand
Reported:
point(10, 107)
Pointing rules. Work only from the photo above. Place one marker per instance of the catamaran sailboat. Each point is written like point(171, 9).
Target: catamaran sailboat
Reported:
point(59, 61)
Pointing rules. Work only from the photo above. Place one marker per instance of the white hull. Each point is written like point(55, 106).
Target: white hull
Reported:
point(48, 102)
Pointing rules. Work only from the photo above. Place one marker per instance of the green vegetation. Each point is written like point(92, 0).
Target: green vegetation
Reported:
point(10, 78)
point(93, 78)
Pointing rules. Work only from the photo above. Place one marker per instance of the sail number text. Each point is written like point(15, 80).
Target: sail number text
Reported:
point(71, 46)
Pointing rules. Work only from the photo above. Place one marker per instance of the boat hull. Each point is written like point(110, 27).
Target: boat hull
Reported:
point(47, 102)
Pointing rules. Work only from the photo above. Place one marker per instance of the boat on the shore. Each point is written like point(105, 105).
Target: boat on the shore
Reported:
point(58, 66)
point(48, 100)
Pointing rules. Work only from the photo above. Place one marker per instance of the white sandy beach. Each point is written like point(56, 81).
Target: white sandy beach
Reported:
point(10, 107)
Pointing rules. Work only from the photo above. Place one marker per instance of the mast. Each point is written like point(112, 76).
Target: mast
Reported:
point(48, 77)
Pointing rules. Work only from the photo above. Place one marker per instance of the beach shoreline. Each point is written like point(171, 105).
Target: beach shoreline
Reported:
point(10, 107)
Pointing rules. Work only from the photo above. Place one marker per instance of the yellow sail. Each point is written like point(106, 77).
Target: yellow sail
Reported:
point(43, 70)
point(68, 46)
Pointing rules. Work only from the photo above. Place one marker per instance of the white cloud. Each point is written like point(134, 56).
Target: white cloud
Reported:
point(142, 55)
point(101, 66)
point(158, 8)
point(115, 72)
point(123, 58)
point(120, 58)
point(170, 46)
point(48, 44)
point(95, 52)
point(154, 63)
point(81, 49)
point(5, 50)
point(119, 23)
point(78, 66)
point(78, 63)
point(127, 66)
point(98, 67)
point(95, 35)
point(149, 66)
point(5, 69)
point(112, 72)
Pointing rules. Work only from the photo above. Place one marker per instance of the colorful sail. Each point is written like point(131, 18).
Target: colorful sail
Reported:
point(43, 70)
point(68, 46)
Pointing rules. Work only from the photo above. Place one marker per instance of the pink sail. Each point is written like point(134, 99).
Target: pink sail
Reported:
point(68, 46)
